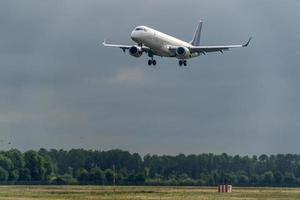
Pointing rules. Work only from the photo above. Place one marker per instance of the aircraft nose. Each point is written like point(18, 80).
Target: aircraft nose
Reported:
point(133, 35)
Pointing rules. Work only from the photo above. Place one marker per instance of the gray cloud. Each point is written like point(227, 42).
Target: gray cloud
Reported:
point(61, 89)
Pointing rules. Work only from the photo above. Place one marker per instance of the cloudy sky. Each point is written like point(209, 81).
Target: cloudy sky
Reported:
point(59, 88)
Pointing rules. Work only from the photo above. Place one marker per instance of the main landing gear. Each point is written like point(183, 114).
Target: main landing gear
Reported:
point(151, 62)
point(182, 62)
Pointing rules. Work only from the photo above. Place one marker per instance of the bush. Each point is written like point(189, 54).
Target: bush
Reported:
point(243, 180)
point(66, 179)
point(96, 176)
point(171, 182)
point(187, 182)
point(139, 178)
point(109, 176)
point(82, 175)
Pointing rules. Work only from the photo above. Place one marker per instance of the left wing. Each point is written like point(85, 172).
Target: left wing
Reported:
point(208, 49)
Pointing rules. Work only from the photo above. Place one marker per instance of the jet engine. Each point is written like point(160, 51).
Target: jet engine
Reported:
point(136, 51)
point(183, 52)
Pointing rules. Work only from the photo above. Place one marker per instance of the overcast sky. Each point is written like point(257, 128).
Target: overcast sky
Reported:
point(59, 88)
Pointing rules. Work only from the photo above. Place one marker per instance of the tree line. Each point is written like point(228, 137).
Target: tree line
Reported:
point(79, 166)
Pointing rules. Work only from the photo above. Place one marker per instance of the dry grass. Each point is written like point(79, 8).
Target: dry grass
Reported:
point(141, 193)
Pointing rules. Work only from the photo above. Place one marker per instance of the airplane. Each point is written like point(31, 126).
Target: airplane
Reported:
point(155, 43)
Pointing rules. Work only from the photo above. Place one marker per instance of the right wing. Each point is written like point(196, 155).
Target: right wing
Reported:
point(126, 47)
point(123, 47)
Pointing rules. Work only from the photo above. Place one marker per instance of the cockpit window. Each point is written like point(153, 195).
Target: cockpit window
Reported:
point(140, 29)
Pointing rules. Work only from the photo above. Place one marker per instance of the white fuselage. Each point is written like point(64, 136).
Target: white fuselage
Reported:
point(157, 41)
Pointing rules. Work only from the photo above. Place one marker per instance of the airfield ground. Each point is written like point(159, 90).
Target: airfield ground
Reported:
point(141, 193)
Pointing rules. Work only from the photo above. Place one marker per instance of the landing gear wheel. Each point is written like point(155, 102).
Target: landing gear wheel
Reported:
point(180, 62)
point(154, 62)
point(150, 62)
point(184, 62)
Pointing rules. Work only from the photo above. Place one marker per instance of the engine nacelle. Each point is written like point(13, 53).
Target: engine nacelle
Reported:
point(183, 52)
point(135, 51)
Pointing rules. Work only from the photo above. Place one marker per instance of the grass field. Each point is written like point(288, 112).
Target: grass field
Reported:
point(140, 193)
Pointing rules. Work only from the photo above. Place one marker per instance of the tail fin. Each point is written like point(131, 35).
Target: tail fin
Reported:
point(197, 35)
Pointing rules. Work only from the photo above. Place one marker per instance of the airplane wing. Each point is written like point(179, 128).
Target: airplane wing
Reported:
point(124, 47)
point(208, 49)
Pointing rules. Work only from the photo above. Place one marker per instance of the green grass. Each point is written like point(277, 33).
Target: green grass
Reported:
point(142, 193)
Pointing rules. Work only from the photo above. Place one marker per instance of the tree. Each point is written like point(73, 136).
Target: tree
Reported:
point(122, 176)
point(267, 178)
point(95, 167)
point(228, 178)
point(278, 178)
point(96, 175)
point(82, 175)
point(289, 179)
point(297, 170)
point(25, 174)
point(13, 175)
point(49, 167)
point(254, 180)
point(35, 163)
point(243, 180)
point(131, 179)
point(3, 174)
point(139, 178)
point(5, 162)
point(109, 176)
point(211, 181)
point(16, 158)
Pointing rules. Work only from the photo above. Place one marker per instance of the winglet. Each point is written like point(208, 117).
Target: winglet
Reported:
point(245, 45)
point(104, 42)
